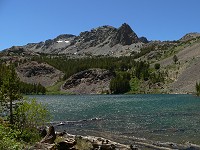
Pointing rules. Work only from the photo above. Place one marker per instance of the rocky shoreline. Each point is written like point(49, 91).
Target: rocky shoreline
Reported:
point(63, 141)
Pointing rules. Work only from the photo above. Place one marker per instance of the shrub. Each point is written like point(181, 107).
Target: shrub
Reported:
point(30, 115)
point(157, 66)
point(175, 59)
point(197, 89)
point(8, 139)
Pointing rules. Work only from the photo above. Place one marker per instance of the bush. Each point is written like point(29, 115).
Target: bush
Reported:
point(157, 66)
point(30, 115)
point(8, 139)
point(30, 135)
point(175, 59)
point(198, 89)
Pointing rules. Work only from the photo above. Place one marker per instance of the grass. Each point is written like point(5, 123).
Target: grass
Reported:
point(55, 89)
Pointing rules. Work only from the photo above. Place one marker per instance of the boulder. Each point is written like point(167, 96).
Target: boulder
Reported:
point(43, 132)
point(50, 137)
point(65, 145)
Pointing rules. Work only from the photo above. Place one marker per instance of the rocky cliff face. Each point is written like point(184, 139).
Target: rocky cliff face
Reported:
point(91, 81)
point(34, 72)
point(105, 40)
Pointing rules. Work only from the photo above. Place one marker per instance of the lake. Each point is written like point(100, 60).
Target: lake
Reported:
point(167, 118)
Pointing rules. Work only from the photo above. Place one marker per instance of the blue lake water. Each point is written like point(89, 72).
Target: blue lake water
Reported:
point(174, 118)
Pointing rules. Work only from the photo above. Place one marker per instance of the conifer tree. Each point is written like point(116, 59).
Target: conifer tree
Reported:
point(9, 89)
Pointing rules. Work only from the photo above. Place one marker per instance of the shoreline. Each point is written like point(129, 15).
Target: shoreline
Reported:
point(124, 143)
point(137, 143)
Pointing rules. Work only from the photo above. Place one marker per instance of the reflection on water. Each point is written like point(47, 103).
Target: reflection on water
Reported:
point(156, 117)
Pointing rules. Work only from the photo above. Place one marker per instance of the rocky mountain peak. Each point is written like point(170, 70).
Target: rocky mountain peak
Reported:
point(98, 41)
point(124, 36)
point(94, 37)
point(64, 37)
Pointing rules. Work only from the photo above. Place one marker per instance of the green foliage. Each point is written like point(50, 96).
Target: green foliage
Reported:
point(157, 66)
point(72, 66)
point(134, 83)
point(30, 135)
point(9, 89)
point(144, 51)
point(30, 114)
point(124, 68)
point(14, 139)
point(142, 70)
point(21, 87)
point(27, 88)
point(157, 77)
point(55, 89)
point(25, 117)
point(197, 89)
point(120, 84)
point(8, 139)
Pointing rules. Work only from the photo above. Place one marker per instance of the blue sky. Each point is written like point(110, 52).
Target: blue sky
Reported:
point(29, 21)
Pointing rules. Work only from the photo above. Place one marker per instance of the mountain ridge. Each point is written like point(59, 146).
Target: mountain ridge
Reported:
point(103, 40)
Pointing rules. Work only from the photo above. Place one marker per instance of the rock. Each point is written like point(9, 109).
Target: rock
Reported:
point(43, 146)
point(50, 137)
point(43, 132)
point(61, 133)
point(143, 40)
point(124, 36)
point(190, 36)
point(16, 49)
point(98, 41)
point(35, 73)
point(64, 37)
point(91, 81)
point(133, 147)
point(94, 37)
point(65, 145)
point(108, 147)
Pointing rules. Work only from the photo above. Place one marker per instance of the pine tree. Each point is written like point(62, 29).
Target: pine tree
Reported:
point(9, 89)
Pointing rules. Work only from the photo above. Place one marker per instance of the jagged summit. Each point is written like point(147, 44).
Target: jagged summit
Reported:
point(104, 40)
point(124, 36)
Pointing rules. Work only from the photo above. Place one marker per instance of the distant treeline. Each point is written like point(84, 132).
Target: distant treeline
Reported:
point(72, 66)
point(24, 88)
point(27, 88)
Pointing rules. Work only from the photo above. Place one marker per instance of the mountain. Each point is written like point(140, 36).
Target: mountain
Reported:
point(190, 36)
point(105, 40)
point(48, 62)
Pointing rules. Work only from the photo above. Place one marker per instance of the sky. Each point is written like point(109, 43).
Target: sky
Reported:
point(31, 21)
